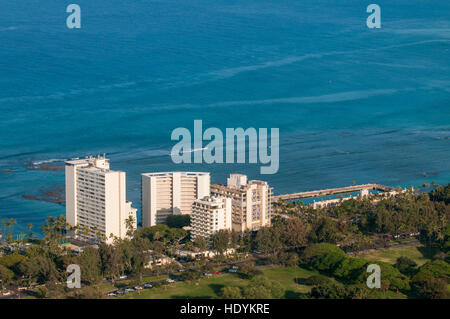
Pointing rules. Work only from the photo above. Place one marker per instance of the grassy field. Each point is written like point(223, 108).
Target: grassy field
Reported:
point(419, 253)
point(210, 287)
point(289, 277)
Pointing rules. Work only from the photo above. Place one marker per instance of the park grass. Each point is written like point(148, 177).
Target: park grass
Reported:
point(419, 253)
point(202, 288)
point(210, 287)
point(290, 278)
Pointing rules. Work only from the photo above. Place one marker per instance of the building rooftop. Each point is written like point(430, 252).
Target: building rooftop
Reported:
point(171, 173)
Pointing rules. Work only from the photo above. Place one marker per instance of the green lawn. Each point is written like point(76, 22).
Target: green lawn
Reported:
point(290, 278)
point(210, 287)
point(419, 253)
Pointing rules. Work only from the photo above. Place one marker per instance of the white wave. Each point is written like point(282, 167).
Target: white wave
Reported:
point(230, 72)
point(8, 29)
point(440, 32)
point(71, 92)
point(325, 98)
point(191, 151)
point(53, 160)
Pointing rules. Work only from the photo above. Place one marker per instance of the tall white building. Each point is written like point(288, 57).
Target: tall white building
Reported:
point(251, 201)
point(96, 199)
point(209, 215)
point(171, 193)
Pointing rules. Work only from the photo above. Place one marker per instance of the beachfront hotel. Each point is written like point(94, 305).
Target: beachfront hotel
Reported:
point(96, 200)
point(251, 201)
point(171, 193)
point(209, 215)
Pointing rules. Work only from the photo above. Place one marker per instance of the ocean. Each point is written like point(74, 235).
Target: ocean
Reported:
point(351, 103)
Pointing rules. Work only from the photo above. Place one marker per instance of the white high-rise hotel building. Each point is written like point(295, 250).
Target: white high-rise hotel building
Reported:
point(251, 201)
point(209, 215)
point(171, 193)
point(96, 199)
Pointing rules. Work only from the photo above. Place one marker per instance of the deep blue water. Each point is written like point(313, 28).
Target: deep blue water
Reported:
point(351, 103)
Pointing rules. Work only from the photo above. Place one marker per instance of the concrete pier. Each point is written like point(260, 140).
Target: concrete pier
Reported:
point(363, 189)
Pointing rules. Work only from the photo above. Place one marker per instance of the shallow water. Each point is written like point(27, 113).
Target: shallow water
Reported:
point(351, 103)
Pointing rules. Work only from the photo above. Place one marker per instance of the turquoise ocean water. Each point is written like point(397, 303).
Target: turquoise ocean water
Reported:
point(351, 103)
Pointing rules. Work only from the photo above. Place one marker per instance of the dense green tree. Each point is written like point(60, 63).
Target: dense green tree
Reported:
point(6, 275)
point(432, 288)
point(435, 268)
point(29, 269)
point(178, 221)
point(294, 232)
point(111, 257)
point(314, 251)
point(405, 265)
point(200, 243)
point(288, 259)
point(234, 237)
point(46, 270)
point(12, 260)
point(441, 193)
point(329, 290)
point(269, 239)
point(349, 268)
point(220, 241)
point(231, 292)
point(139, 256)
point(261, 287)
point(90, 264)
point(317, 280)
point(246, 241)
point(391, 278)
point(432, 279)
point(329, 262)
point(191, 275)
point(248, 270)
point(161, 233)
point(324, 229)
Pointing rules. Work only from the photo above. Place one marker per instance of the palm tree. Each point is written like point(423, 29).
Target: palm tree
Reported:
point(129, 222)
point(30, 233)
point(4, 223)
point(22, 236)
point(9, 236)
point(12, 222)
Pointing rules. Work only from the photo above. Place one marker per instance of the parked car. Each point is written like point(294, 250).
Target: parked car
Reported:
point(207, 274)
point(7, 293)
point(148, 285)
point(129, 289)
point(120, 291)
point(169, 280)
point(217, 273)
point(177, 278)
point(123, 277)
point(235, 267)
point(112, 293)
point(138, 288)
point(232, 270)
